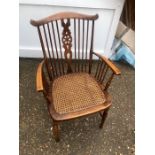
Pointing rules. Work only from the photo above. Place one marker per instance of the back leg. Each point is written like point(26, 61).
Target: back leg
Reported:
point(104, 116)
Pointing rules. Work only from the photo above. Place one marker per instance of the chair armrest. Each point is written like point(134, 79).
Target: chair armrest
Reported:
point(39, 77)
point(109, 63)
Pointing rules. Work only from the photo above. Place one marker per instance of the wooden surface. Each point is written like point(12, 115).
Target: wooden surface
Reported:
point(39, 80)
point(81, 132)
point(109, 63)
point(55, 60)
point(62, 15)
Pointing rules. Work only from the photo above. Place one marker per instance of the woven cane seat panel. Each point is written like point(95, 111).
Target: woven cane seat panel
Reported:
point(75, 92)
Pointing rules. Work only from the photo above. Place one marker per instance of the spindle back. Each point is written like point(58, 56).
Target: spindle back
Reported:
point(67, 42)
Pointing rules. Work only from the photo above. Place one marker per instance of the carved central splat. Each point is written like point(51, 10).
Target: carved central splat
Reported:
point(67, 42)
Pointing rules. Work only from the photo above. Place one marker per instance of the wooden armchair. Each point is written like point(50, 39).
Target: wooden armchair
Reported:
point(72, 81)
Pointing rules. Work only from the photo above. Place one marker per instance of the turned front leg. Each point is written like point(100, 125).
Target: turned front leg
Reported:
point(56, 131)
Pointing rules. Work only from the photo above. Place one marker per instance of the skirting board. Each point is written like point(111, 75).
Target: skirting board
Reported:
point(27, 52)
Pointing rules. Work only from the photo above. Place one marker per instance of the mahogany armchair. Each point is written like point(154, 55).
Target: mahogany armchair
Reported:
point(72, 81)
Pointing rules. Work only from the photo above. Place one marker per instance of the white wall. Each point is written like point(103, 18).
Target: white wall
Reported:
point(105, 27)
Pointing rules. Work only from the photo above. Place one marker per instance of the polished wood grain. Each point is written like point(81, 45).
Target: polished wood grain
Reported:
point(104, 116)
point(63, 15)
point(57, 47)
point(39, 80)
point(56, 131)
point(109, 63)
point(67, 43)
point(42, 85)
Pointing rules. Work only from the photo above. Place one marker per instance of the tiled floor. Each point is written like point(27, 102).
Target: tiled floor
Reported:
point(80, 136)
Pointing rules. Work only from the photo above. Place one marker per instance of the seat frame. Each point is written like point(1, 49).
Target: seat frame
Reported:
point(44, 81)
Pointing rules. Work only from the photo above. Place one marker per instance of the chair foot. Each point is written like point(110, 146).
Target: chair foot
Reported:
point(104, 116)
point(56, 131)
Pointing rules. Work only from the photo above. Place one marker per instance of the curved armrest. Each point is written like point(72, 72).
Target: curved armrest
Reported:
point(39, 78)
point(109, 63)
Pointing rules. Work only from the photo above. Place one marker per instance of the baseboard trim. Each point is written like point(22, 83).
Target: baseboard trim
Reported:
point(35, 52)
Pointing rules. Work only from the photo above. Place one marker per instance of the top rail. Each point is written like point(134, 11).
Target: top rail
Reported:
point(63, 15)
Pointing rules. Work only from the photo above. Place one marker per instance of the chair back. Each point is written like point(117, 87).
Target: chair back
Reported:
point(67, 42)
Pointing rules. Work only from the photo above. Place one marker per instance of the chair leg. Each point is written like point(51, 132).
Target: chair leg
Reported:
point(104, 116)
point(56, 131)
